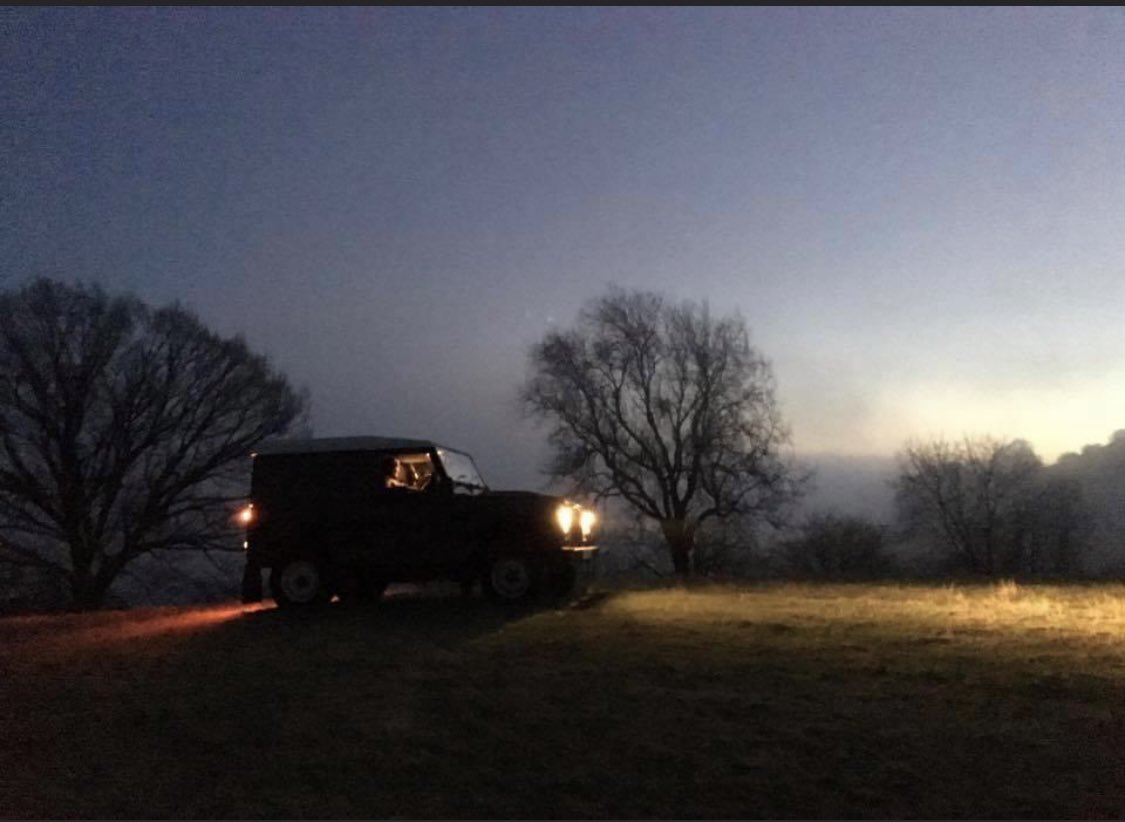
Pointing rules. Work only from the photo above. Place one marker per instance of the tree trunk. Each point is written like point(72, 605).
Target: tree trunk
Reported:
point(86, 594)
point(87, 588)
point(680, 537)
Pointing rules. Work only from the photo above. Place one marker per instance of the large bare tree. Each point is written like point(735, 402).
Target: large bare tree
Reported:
point(666, 407)
point(990, 505)
point(124, 430)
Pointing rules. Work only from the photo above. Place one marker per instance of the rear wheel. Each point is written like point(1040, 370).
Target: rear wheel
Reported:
point(510, 580)
point(298, 583)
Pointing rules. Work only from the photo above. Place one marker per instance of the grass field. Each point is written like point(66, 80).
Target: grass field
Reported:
point(774, 701)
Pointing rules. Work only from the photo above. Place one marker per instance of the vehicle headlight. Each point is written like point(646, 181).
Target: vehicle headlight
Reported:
point(564, 515)
point(586, 522)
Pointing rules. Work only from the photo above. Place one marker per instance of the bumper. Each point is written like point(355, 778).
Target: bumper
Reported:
point(583, 559)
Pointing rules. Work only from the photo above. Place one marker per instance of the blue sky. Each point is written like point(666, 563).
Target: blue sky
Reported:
point(917, 211)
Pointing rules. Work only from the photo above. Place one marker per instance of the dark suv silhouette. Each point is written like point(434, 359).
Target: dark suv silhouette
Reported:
point(347, 516)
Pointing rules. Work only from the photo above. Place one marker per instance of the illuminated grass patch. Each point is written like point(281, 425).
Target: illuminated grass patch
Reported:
point(773, 701)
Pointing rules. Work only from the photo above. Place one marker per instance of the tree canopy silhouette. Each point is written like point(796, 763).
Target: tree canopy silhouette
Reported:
point(124, 429)
point(666, 407)
point(990, 506)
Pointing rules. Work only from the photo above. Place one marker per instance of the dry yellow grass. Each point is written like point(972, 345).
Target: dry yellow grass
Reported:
point(774, 701)
point(1090, 612)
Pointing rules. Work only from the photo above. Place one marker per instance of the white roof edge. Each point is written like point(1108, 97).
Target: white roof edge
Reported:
point(326, 444)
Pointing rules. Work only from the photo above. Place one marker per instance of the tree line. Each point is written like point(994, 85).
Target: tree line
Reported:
point(124, 432)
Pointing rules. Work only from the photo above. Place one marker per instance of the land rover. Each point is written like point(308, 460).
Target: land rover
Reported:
point(345, 517)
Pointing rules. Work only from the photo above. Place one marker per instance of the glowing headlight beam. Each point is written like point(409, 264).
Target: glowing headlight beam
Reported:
point(564, 515)
point(586, 521)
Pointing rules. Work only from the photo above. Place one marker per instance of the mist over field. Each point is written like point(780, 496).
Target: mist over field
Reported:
point(859, 485)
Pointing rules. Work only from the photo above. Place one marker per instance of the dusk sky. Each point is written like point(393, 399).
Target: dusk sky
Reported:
point(918, 212)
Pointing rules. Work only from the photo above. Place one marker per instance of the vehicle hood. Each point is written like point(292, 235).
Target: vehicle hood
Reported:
point(520, 500)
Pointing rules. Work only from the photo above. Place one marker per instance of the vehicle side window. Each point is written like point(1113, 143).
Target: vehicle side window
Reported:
point(394, 475)
point(410, 472)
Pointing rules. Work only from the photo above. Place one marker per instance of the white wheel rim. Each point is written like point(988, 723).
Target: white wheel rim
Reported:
point(300, 581)
point(510, 578)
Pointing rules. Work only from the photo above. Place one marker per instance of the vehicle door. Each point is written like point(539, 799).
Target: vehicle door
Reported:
point(405, 514)
point(458, 512)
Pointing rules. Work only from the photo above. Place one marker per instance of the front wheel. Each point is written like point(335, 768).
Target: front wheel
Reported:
point(298, 583)
point(510, 580)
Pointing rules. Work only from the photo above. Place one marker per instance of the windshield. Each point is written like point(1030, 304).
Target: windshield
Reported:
point(461, 470)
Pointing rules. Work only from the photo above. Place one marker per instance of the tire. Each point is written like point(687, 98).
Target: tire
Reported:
point(298, 583)
point(510, 580)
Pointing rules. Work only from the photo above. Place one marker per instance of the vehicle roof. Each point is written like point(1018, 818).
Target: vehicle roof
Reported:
point(327, 444)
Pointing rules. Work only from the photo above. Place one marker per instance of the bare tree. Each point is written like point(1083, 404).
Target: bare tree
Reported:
point(123, 430)
point(666, 407)
point(989, 504)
